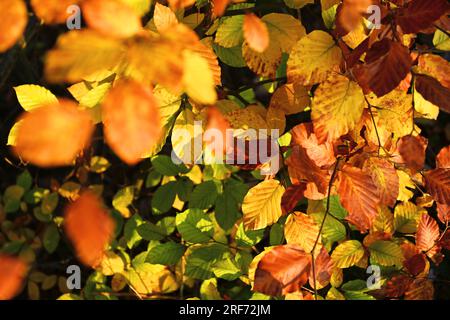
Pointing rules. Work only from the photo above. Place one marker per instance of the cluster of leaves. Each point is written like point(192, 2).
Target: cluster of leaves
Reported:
point(353, 189)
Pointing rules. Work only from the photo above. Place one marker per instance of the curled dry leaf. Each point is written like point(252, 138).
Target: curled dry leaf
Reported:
point(255, 33)
point(90, 228)
point(13, 20)
point(111, 17)
point(53, 135)
point(284, 269)
point(12, 273)
point(131, 120)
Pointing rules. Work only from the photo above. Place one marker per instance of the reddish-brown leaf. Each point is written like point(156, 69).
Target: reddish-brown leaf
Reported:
point(412, 149)
point(12, 273)
point(397, 286)
point(416, 264)
point(437, 182)
point(420, 289)
point(292, 196)
point(443, 158)
point(433, 91)
point(132, 122)
point(90, 228)
point(255, 33)
point(323, 266)
point(387, 63)
point(282, 270)
point(427, 235)
point(301, 168)
point(420, 14)
point(53, 135)
point(443, 212)
point(359, 195)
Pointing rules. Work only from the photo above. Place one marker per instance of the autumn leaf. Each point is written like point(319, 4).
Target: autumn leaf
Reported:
point(313, 59)
point(324, 267)
point(420, 289)
point(282, 270)
point(347, 254)
point(337, 107)
point(131, 120)
point(412, 149)
point(386, 65)
point(436, 67)
point(53, 11)
point(13, 20)
point(433, 91)
point(255, 33)
point(111, 18)
point(437, 182)
point(302, 230)
point(292, 196)
point(180, 4)
point(359, 195)
point(443, 158)
point(290, 98)
point(262, 205)
point(427, 235)
point(53, 135)
point(385, 177)
point(420, 14)
point(164, 17)
point(90, 228)
point(12, 274)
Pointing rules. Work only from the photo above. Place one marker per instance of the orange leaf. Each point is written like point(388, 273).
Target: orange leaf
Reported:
point(111, 17)
point(12, 274)
point(13, 20)
point(180, 4)
point(282, 270)
point(437, 182)
point(385, 177)
point(132, 122)
point(359, 195)
point(420, 289)
point(255, 33)
point(53, 11)
point(90, 228)
point(443, 158)
point(53, 135)
point(219, 7)
point(323, 269)
point(427, 234)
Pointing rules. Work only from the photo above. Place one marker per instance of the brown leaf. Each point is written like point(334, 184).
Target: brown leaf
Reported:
point(132, 122)
point(427, 235)
point(53, 135)
point(323, 266)
point(437, 182)
point(420, 14)
point(359, 195)
point(397, 286)
point(255, 33)
point(12, 274)
point(436, 67)
point(13, 20)
point(387, 63)
point(292, 196)
point(433, 91)
point(111, 17)
point(90, 228)
point(412, 149)
point(416, 264)
point(443, 158)
point(443, 212)
point(284, 269)
point(420, 289)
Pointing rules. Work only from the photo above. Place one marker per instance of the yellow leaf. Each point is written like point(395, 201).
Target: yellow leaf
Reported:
point(164, 17)
point(33, 96)
point(290, 98)
point(424, 107)
point(198, 78)
point(262, 205)
point(313, 58)
point(405, 184)
point(347, 254)
point(337, 107)
point(13, 20)
point(301, 229)
point(407, 216)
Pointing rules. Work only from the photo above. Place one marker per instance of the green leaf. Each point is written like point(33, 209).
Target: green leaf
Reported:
point(32, 96)
point(168, 253)
point(201, 260)
point(333, 230)
point(276, 235)
point(230, 34)
point(195, 226)
point(167, 224)
point(131, 234)
point(355, 285)
point(149, 231)
point(51, 238)
point(164, 197)
point(25, 180)
point(248, 238)
point(49, 203)
point(164, 165)
point(153, 179)
point(227, 269)
point(336, 209)
point(385, 253)
point(122, 199)
point(11, 198)
point(230, 56)
point(184, 188)
point(204, 195)
point(209, 291)
point(227, 210)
